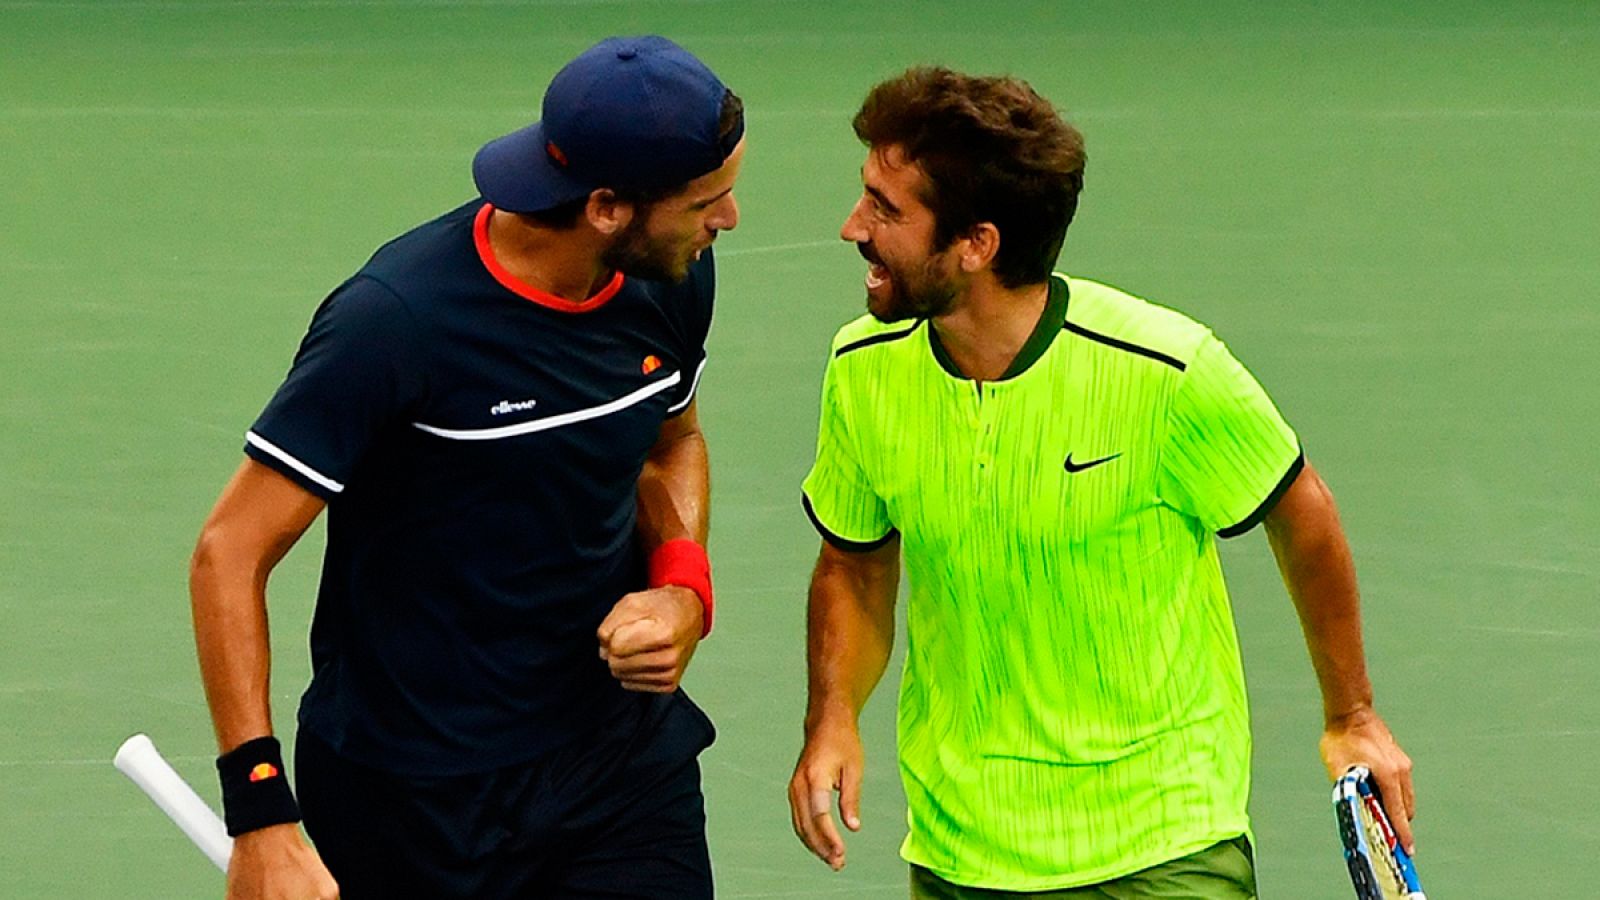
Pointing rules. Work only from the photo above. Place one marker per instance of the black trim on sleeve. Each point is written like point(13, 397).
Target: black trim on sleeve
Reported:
point(844, 544)
point(1266, 506)
point(876, 339)
point(1124, 345)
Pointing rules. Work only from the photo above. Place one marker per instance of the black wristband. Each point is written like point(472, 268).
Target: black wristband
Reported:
point(255, 790)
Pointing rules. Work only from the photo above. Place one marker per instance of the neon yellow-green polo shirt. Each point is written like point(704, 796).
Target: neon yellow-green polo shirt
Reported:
point(1072, 707)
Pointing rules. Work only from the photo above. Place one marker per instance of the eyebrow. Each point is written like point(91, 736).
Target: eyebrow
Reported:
point(702, 204)
point(882, 200)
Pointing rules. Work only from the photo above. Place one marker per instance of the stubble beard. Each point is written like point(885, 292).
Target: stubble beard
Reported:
point(930, 295)
point(637, 254)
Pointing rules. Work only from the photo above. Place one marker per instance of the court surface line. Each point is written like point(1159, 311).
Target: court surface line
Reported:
point(776, 248)
point(104, 761)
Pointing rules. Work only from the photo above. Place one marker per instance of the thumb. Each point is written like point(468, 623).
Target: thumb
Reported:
point(632, 636)
point(850, 797)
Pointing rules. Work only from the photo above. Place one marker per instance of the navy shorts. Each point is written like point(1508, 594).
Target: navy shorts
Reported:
point(620, 817)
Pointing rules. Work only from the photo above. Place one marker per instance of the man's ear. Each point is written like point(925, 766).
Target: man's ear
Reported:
point(607, 213)
point(979, 247)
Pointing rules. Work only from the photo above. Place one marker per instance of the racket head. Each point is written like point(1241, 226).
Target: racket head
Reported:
point(1380, 868)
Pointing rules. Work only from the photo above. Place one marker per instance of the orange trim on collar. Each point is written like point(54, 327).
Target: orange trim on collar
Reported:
point(480, 237)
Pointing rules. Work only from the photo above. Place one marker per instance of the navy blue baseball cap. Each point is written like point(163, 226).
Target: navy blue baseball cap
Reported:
point(629, 112)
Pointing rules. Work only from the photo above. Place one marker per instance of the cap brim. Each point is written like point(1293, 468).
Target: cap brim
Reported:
point(514, 173)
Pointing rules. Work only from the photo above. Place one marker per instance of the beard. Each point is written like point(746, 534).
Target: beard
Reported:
point(638, 254)
point(920, 292)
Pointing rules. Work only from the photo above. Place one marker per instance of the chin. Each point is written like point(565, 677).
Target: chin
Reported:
point(887, 310)
point(658, 271)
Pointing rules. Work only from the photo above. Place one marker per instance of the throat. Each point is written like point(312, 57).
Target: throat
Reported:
point(994, 338)
point(979, 360)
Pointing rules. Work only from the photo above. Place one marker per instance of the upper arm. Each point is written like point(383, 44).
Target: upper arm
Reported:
point(1306, 505)
point(869, 576)
point(866, 564)
point(258, 517)
point(675, 428)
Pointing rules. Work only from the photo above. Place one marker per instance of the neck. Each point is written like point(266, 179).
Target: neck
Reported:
point(988, 327)
point(563, 262)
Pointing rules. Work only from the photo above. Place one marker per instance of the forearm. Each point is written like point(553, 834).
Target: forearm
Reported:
point(850, 633)
point(1315, 560)
point(256, 521)
point(1319, 572)
point(673, 521)
point(675, 492)
point(228, 604)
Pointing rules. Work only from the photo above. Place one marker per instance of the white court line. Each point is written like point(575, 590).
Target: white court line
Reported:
point(777, 248)
point(202, 269)
point(50, 763)
point(350, 112)
point(1534, 632)
point(224, 112)
point(1444, 112)
point(338, 112)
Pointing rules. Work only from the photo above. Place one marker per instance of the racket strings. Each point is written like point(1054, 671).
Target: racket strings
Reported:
point(1386, 868)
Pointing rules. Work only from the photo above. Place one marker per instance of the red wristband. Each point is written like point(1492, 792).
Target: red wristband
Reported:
point(683, 562)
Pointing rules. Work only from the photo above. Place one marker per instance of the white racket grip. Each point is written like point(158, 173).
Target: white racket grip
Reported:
point(139, 759)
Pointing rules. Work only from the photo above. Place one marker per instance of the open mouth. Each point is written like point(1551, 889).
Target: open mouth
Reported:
point(877, 272)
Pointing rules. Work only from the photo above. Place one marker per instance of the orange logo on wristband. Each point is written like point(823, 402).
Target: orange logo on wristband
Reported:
point(263, 771)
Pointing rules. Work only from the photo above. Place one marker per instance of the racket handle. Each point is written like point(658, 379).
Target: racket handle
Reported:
point(139, 759)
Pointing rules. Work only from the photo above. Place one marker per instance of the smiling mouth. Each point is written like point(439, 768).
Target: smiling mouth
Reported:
point(877, 272)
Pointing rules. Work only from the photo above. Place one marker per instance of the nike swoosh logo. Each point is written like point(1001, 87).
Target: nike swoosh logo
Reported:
point(1071, 466)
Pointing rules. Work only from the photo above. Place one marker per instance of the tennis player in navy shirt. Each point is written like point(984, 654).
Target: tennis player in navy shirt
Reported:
point(498, 413)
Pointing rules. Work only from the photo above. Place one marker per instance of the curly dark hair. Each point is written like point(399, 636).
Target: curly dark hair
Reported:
point(993, 151)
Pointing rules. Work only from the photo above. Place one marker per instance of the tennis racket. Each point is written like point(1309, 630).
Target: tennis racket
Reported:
point(138, 759)
point(1380, 868)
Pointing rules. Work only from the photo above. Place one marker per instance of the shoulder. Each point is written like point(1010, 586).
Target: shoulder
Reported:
point(363, 299)
point(366, 313)
point(1108, 315)
point(427, 248)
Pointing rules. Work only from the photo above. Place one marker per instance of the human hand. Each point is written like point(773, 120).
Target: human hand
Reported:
point(274, 863)
point(1362, 738)
point(832, 760)
point(650, 636)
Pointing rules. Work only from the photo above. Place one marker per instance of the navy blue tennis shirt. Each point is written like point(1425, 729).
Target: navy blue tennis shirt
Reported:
point(478, 444)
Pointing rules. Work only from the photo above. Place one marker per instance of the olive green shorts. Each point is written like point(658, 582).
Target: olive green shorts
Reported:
point(1224, 871)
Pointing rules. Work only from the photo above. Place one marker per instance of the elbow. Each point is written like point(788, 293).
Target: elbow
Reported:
point(210, 549)
point(219, 556)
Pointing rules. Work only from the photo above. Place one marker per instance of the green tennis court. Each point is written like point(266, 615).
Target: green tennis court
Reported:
point(1389, 211)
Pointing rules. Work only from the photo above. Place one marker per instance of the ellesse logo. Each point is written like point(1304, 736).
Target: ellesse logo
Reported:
point(508, 406)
